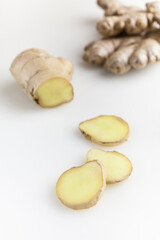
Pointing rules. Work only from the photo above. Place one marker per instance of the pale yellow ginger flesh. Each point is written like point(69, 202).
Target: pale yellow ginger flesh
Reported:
point(105, 130)
point(118, 166)
point(81, 187)
point(45, 79)
point(116, 7)
point(54, 92)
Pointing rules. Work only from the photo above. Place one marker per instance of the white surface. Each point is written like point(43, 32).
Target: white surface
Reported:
point(37, 145)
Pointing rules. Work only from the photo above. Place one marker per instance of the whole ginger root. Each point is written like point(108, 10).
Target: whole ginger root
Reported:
point(115, 7)
point(120, 55)
point(131, 20)
point(131, 37)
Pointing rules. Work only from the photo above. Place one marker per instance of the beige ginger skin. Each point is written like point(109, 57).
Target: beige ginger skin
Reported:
point(115, 7)
point(120, 55)
point(131, 20)
point(44, 78)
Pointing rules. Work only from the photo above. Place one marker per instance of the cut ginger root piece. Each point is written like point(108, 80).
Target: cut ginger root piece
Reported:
point(44, 78)
point(81, 187)
point(118, 166)
point(105, 130)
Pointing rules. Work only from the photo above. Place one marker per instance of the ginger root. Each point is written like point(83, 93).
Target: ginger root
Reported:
point(115, 7)
point(105, 130)
point(44, 78)
point(120, 55)
point(81, 187)
point(118, 166)
point(130, 20)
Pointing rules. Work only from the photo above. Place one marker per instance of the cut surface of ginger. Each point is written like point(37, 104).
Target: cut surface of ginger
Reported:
point(54, 92)
point(118, 166)
point(81, 187)
point(105, 130)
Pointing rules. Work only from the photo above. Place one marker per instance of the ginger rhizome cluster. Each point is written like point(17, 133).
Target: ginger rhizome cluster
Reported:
point(131, 37)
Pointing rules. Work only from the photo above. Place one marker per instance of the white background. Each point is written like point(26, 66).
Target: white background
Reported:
point(37, 145)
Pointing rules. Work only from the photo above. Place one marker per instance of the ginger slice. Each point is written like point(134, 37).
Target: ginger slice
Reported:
point(118, 166)
point(81, 187)
point(44, 78)
point(105, 130)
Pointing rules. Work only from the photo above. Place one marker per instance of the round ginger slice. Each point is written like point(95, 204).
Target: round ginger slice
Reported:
point(105, 130)
point(81, 187)
point(117, 166)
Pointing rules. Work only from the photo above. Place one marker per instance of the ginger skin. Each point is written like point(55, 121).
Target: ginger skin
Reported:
point(120, 55)
point(44, 78)
point(115, 7)
point(131, 20)
point(118, 166)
